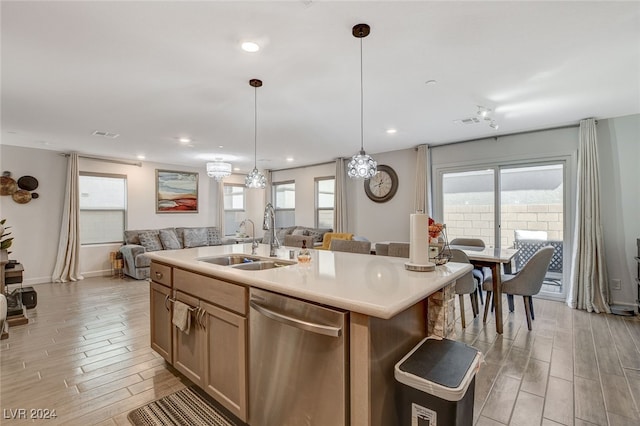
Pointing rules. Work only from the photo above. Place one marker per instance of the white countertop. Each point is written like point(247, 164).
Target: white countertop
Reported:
point(378, 286)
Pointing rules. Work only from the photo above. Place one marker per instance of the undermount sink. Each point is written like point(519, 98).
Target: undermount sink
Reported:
point(230, 260)
point(246, 262)
point(264, 264)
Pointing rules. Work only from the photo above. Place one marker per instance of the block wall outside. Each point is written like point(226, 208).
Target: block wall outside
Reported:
point(476, 221)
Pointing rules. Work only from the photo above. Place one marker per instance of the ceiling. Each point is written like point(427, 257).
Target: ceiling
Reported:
point(153, 72)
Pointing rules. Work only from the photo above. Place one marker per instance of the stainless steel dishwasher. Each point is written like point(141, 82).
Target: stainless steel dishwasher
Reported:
point(298, 362)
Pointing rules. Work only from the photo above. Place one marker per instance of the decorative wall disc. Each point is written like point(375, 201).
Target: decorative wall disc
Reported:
point(28, 183)
point(21, 196)
point(7, 185)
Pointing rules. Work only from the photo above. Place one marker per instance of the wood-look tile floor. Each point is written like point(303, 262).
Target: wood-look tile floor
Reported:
point(85, 353)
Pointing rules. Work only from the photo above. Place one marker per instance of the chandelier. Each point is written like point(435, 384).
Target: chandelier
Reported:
point(218, 169)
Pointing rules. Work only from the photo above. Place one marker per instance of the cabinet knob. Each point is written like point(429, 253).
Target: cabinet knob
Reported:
point(158, 274)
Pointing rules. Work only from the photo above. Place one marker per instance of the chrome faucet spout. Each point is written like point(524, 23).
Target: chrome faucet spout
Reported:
point(269, 224)
point(254, 243)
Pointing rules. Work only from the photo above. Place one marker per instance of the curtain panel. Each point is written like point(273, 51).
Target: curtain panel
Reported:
point(67, 267)
point(589, 289)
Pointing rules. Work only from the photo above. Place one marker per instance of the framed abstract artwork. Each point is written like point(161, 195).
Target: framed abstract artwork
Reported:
point(176, 192)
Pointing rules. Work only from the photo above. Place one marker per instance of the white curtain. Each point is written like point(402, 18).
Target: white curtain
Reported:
point(589, 289)
point(423, 179)
point(67, 266)
point(340, 193)
point(220, 208)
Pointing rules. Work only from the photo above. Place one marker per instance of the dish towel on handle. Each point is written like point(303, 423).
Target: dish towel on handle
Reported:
point(181, 316)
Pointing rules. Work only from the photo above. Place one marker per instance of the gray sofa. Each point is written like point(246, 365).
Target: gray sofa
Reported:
point(293, 235)
point(138, 242)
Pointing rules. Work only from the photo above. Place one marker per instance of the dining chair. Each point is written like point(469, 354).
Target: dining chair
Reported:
point(398, 250)
point(351, 246)
point(467, 284)
point(526, 282)
point(329, 236)
point(478, 272)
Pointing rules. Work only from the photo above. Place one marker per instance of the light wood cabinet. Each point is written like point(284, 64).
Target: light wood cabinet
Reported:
point(161, 327)
point(214, 353)
point(188, 349)
point(161, 310)
point(225, 375)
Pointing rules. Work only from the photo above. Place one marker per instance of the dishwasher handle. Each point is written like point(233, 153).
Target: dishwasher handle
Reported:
point(326, 330)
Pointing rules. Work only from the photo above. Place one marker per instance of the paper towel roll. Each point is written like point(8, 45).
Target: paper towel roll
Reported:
point(419, 239)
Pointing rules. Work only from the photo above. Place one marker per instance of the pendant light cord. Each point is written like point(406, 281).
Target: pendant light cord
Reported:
point(255, 127)
point(361, 103)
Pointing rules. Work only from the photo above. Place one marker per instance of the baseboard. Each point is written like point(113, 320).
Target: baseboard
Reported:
point(47, 280)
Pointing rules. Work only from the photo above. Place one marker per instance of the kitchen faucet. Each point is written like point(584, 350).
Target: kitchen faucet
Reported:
point(254, 244)
point(269, 224)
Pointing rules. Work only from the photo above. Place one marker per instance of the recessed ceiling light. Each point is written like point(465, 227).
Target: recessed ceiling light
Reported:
point(430, 82)
point(184, 140)
point(289, 159)
point(220, 146)
point(141, 157)
point(250, 46)
point(391, 131)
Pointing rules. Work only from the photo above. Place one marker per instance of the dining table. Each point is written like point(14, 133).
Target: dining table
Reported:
point(492, 257)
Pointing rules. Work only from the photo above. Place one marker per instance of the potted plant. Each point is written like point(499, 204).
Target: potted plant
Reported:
point(5, 243)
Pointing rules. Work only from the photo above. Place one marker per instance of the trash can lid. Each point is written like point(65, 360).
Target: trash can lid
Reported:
point(444, 362)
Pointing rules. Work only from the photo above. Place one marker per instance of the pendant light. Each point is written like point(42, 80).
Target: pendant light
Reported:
point(255, 179)
point(361, 164)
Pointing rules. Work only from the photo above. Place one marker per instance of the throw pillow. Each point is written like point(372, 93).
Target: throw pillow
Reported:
point(281, 232)
point(299, 231)
point(150, 240)
point(195, 237)
point(213, 236)
point(315, 235)
point(169, 239)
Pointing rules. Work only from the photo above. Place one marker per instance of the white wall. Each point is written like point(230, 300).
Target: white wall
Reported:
point(385, 221)
point(304, 178)
point(36, 225)
point(619, 154)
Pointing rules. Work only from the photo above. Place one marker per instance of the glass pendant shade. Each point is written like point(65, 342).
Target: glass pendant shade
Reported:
point(255, 179)
point(362, 166)
point(218, 170)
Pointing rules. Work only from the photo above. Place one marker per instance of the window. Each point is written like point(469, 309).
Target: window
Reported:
point(509, 205)
point(103, 208)
point(285, 203)
point(234, 205)
point(325, 202)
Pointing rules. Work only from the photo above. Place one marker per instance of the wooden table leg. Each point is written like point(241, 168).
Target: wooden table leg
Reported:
point(497, 295)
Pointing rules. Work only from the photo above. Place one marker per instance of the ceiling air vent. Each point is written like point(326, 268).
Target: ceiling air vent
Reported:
point(470, 120)
point(108, 135)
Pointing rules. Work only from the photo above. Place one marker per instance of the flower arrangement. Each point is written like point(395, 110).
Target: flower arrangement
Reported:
point(435, 229)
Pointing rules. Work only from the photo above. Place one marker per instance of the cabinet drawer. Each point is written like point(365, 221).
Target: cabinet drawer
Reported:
point(160, 273)
point(212, 290)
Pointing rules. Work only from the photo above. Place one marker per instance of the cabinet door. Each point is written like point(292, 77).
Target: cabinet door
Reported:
point(161, 310)
point(188, 349)
point(226, 367)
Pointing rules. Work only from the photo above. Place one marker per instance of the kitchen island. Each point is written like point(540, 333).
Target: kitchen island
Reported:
point(384, 304)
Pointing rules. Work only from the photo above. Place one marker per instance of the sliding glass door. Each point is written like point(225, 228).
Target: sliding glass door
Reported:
point(521, 205)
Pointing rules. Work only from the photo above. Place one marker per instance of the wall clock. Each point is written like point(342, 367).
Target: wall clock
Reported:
point(383, 186)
